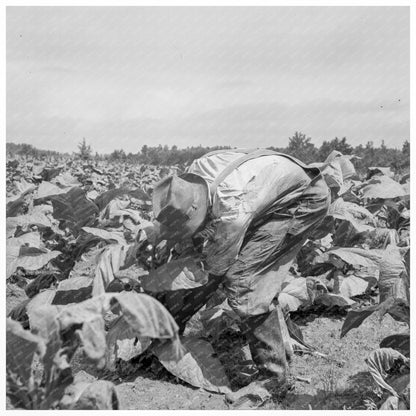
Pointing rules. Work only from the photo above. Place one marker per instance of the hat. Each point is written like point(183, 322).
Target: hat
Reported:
point(180, 205)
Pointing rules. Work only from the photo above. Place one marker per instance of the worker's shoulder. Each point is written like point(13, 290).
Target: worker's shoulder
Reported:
point(242, 156)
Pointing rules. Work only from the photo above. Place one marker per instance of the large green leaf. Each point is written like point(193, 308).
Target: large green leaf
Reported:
point(118, 208)
point(183, 273)
point(356, 317)
point(29, 239)
point(42, 315)
point(39, 216)
point(42, 281)
point(392, 269)
point(18, 206)
point(122, 339)
point(380, 362)
point(294, 293)
point(72, 206)
point(399, 342)
point(144, 314)
point(376, 170)
point(111, 260)
point(48, 189)
point(345, 210)
point(29, 258)
point(21, 347)
point(198, 367)
point(108, 236)
point(344, 162)
point(66, 180)
point(219, 318)
point(97, 395)
point(73, 290)
point(356, 256)
point(106, 197)
point(353, 286)
point(333, 299)
point(397, 308)
point(382, 187)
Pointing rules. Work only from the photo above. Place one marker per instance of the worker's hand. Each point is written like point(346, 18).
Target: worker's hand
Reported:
point(152, 251)
point(151, 233)
point(145, 255)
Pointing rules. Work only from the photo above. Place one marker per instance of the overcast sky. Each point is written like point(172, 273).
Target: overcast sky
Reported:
point(126, 76)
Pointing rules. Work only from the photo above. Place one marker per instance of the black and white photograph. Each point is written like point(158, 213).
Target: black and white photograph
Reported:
point(207, 206)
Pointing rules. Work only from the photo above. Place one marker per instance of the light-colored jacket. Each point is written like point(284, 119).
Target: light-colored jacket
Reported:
point(244, 196)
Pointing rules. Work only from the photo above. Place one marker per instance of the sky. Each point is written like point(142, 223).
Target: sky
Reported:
point(123, 77)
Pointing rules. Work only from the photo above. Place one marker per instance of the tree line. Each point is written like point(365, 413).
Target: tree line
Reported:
point(298, 146)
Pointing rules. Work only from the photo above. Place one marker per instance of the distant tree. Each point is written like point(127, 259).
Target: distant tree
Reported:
point(144, 154)
point(406, 149)
point(85, 150)
point(335, 144)
point(118, 156)
point(302, 148)
point(28, 150)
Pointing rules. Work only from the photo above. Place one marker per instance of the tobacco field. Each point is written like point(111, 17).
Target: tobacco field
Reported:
point(86, 328)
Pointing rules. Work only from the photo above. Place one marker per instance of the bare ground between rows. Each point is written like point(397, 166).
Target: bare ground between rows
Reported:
point(340, 381)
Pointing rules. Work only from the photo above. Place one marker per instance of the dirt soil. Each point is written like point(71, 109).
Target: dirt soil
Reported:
point(339, 381)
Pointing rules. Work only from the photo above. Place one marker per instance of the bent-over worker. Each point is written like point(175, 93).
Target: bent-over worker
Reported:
point(248, 213)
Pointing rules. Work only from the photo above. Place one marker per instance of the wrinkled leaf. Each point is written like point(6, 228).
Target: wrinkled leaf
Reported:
point(24, 187)
point(98, 395)
point(356, 317)
point(129, 348)
point(332, 299)
point(393, 403)
point(21, 347)
point(345, 210)
point(399, 342)
point(28, 239)
point(108, 236)
point(183, 273)
point(43, 281)
point(39, 311)
point(391, 268)
point(374, 170)
point(17, 207)
point(110, 261)
point(350, 232)
point(345, 164)
point(66, 180)
point(48, 189)
point(72, 206)
point(106, 197)
point(145, 315)
point(29, 258)
point(353, 286)
point(197, 367)
point(380, 362)
point(399, 309)
point(293, 294)
point(249, 397)
point(92, 336)
point(121, 339)
point(73, 290)
point(218, 319)
point(356, 256)
point(38, 217)
point(382, 187)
